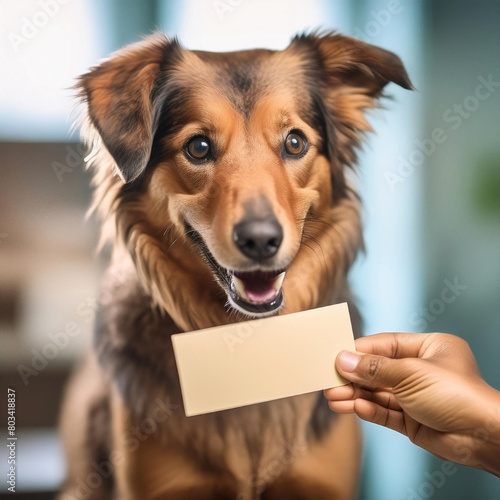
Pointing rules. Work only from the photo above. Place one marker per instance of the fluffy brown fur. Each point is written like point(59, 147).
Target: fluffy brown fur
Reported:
point(172, 223)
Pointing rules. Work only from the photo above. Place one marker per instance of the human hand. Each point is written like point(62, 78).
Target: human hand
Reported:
point(427, 387)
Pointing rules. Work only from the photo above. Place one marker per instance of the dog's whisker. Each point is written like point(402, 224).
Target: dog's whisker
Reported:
point(311, 248)
point(173, 243)
point(167, 230)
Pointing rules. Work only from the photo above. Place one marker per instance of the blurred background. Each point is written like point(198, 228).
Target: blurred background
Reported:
point(429, 178)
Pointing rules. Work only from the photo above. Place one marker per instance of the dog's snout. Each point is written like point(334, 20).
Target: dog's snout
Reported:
point(258, 239)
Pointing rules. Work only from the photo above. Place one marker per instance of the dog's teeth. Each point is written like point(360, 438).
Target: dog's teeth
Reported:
point(279, 281)
point(255, 294)
point(240, 287)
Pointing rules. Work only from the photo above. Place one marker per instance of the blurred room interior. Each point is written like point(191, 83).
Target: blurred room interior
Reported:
point(431, 199)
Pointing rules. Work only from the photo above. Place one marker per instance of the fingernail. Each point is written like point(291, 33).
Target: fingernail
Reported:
point(348, 361)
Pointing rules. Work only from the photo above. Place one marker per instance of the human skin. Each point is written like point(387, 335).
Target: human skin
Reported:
point(427, 387)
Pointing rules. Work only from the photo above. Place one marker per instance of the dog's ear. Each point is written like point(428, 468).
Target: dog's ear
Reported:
point(347, 76)
point(347, 61)
point(124, 96)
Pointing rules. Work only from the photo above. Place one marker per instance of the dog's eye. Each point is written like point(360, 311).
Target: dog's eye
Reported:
point(198, 148)
point(295, 144)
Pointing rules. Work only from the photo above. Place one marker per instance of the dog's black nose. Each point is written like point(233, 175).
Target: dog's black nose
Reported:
point(258, 239)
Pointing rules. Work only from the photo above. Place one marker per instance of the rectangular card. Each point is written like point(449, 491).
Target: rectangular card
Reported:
point(261, 360)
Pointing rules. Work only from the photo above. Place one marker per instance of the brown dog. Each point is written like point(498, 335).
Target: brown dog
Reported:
point(221, 182)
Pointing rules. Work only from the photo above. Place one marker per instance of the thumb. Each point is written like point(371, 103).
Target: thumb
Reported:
point(370, 370)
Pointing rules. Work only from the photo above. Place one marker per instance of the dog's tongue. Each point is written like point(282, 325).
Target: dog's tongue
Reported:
point(258, 287)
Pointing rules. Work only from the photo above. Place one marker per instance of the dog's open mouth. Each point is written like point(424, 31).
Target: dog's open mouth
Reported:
point(255, 293)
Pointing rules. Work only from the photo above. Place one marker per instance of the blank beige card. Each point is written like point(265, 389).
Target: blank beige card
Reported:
point(261, 360)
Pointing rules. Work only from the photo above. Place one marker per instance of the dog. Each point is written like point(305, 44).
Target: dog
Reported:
point(221, 180)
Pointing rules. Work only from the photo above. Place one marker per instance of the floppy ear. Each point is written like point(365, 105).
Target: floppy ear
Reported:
point(350, 76)
point(124, 97)
point(348, 61)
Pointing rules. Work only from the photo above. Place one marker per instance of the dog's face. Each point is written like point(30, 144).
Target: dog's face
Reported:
point(235, 152)
point(245, 169)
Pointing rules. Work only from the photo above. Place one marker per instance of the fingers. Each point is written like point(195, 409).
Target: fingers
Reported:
point(425, 437)
point(450, 350)
point(349, 393)
point(372, 412)
point(372, 371)
point(341, 406)
point(393, 345)
point(342, 393)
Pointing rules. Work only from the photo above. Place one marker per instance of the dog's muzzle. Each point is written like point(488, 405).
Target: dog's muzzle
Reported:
point(255, 293)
